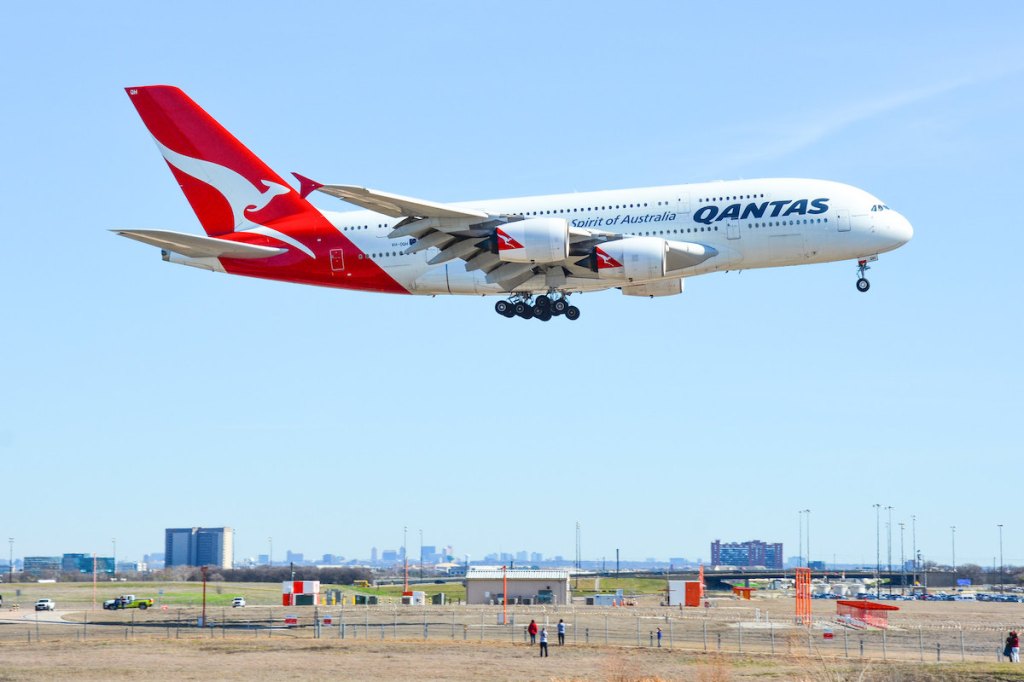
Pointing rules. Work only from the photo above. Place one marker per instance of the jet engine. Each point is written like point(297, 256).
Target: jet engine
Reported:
point(534, 240)
point(637, 259)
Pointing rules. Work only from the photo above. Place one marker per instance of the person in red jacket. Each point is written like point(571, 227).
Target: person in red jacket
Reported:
point(532, 629)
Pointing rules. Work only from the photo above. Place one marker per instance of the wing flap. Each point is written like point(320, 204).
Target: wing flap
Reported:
point(194, 246)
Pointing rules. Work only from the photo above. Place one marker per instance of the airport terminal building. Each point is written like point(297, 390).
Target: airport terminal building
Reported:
point(525, 586)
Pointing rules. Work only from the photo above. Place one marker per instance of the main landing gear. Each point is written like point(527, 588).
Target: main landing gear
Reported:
point(543, 307)
point(862, 283)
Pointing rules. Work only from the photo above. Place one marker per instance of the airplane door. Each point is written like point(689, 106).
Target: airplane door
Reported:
point(337, 260)
point(732, 229)
point(683, 203)
point(843, 219)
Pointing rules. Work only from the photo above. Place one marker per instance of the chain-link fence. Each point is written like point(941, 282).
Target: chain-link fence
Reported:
point(725, 630)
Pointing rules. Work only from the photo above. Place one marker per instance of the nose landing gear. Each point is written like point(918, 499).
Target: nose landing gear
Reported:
point(862, 283)
point(543, 307)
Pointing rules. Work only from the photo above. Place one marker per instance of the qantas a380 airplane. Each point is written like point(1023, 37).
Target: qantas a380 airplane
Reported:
point(532, 251)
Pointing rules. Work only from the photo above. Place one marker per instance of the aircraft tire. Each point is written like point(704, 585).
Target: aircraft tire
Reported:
point(863, 285)
point(572, 313)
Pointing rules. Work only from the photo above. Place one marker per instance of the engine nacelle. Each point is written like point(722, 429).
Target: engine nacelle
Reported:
point(636, 259)
point(534, 240)
point(632, 259)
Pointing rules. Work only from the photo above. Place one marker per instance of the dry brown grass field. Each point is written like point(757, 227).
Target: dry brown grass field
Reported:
point(732, 640)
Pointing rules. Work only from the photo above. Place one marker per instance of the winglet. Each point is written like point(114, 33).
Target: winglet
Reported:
point(306, 186)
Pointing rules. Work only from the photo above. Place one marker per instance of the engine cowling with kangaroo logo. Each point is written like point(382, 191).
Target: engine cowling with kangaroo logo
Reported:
point(534, 240)
point(638, 259)
point(632, 259)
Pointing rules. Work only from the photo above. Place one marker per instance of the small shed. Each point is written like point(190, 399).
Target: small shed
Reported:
point(860, 613)
point(525, 586)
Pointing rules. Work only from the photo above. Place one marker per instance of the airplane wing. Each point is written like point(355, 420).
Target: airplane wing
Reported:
point(397, 206)
point(194, 246)
point(467, 234)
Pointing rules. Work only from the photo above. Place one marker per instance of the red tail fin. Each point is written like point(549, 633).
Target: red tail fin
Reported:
point(230, 188)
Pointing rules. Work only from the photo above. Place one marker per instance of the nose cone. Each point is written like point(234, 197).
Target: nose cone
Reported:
point(899, 229)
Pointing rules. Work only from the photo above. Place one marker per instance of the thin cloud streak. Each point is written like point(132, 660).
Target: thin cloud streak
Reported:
point(808, 133)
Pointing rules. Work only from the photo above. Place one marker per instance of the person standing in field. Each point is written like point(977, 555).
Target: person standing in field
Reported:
point(561, 632)
point(532, 629)
point(544, 642)
point(1014, 641)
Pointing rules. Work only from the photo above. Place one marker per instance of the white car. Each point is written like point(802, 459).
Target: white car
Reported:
point(46, 605)
point(237, 601)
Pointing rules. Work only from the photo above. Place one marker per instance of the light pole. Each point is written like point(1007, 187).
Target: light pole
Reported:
point(878, 550)
point(421, 554)
point(808, 519)
point(113, 541)
point(953, 530)
point(270, 556)
point(888, 542)
point(903, 563)
point(405, 554)
point(10, 565)
point(913, 541)
point(1001, 581)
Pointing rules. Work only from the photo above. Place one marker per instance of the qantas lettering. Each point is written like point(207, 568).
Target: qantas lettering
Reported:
point(710, 214)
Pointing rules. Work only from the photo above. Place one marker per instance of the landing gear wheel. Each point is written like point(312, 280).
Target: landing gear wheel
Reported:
point(519, 308)
point(527, 311)
point(503, 308)
point(862, 283)
point(559, 306)
point(543, 301)
point(543, 316)
point(572, 313)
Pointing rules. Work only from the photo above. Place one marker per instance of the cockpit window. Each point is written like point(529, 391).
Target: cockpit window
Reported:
point(880, 207)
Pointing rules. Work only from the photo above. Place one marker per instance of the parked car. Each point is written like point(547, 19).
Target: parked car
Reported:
point(45, 605)
point(237, 601)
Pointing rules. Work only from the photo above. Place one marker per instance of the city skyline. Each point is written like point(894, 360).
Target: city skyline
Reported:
point(529, 555)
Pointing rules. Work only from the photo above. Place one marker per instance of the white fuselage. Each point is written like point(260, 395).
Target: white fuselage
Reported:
point(750, 223)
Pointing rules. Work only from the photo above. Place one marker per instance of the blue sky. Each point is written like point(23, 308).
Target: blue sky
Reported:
point(140, 395)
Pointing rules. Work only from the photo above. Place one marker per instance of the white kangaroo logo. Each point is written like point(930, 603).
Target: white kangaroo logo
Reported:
point(236, 189)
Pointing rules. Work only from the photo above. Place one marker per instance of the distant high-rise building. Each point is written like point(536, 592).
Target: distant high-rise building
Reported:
point(373, 556)
point(752, 553)
point(199, 547)
point(42, 564)
point(294, 557)
point(154, 560)
point(389, 556)
point(522, 556)
point(536, 557)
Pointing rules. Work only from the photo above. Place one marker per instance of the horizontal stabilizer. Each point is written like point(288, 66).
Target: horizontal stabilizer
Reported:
point(194, 246)
point(397, 206)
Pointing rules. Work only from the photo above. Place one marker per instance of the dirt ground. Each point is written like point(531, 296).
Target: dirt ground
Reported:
point(427, 661)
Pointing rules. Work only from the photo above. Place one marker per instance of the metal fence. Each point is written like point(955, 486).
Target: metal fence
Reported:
point(728, 631)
